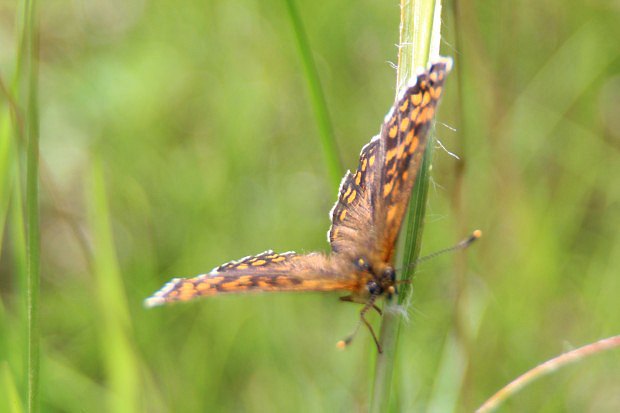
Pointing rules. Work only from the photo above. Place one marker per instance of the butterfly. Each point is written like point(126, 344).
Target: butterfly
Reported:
point(366, 218)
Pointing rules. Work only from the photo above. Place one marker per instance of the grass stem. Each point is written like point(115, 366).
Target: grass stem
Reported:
point(545, 368)
point(419, 42)
point(28, 63)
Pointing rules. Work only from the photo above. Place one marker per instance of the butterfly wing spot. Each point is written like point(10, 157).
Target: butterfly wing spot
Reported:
point(387, 188)
point(409, 137)
point(245, 280)
point(393, 132)
point(436, 92)
point(232, 286)
point(404, 124)
point(390, 154)
point(412, 147)
point(202, 287)
point(404, 106)
point(263, 285)
point(416, 99)
point(351, 197)
point(347, 192)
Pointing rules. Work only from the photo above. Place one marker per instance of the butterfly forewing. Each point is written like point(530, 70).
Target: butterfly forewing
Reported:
point(404, 136)
point(264, 272)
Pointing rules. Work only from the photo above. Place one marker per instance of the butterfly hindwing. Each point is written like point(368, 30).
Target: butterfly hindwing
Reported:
point(353, 209)
point(264, 272)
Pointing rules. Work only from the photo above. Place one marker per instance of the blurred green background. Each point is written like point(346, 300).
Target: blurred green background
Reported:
point(176, 136)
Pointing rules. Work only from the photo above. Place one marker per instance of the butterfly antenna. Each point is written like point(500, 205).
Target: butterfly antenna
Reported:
point(460, 246)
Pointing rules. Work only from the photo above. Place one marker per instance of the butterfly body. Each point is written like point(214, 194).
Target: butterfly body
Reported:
point(366, 218)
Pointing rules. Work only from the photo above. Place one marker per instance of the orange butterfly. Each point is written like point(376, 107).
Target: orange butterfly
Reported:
point(366, 219)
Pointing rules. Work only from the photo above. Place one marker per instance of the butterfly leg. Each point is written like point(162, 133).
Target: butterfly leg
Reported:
point(370, 304)
point(372, 332)
point(350, 299)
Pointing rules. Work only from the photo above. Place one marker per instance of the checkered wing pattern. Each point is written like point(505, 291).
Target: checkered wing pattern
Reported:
point(264, 272)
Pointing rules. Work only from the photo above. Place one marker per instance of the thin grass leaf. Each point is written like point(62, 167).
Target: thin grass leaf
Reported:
point(27, 83)
point(7, 158)
point(548, 367)
point(116, 331)
point(9, 402)
point(317, 97)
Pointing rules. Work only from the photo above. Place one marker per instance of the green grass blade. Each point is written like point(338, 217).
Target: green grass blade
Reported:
point(9, 401)
point(116, 331)
point(317, 97)
point(419, 41)
point(6, 162)
point(27, 82)
point(19, 256)
point(12, 221)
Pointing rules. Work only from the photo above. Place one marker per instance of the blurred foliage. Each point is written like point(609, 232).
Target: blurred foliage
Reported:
point(177, 136)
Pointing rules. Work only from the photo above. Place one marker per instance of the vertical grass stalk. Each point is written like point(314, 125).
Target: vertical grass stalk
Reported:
point(28, 80)
point(419, 42)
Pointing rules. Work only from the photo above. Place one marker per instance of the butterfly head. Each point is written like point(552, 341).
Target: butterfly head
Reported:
point(381, 280)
